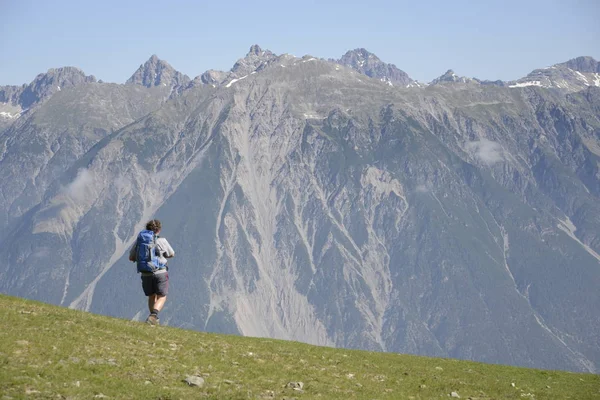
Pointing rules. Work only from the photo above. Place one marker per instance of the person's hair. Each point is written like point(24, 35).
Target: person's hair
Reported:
point(153, 225)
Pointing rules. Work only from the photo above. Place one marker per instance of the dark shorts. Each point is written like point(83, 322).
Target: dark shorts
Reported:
point(155, 284)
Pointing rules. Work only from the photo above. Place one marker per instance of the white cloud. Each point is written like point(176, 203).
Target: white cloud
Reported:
point(422, 189)
point(486, 150)
point(80, 186)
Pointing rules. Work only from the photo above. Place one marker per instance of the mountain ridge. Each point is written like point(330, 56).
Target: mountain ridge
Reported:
point(455, 220)
point(159, 72)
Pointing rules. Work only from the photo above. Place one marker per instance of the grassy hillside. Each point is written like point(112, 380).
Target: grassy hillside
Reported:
point(55, 353)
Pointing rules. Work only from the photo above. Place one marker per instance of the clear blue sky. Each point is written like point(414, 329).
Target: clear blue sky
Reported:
point(488, 39)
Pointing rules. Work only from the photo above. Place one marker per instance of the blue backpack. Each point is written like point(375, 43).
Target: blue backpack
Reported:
point(147, 253)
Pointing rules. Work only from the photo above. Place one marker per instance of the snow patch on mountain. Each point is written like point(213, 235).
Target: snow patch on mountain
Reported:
point(236, 80)
point(7, 115)
point(525, 84)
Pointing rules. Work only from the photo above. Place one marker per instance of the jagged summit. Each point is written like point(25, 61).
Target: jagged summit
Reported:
point(257, 58)
point(570, 76)
point(450, 76)
point(582, 64)
point(358, 56)
point(157, 72)
point(256, 50)
point(369, 64)
point(43, 86)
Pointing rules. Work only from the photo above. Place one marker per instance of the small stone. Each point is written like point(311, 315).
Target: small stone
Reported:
point(78, 384)
point(439, 368)
point(31, 391)
point(350, 376)
point(454, 394)
point(423, 387)
point(513, 384)
point(228, 382)
point(194, 381)
point(101, 396)
point(295, 385)
point(147, 383)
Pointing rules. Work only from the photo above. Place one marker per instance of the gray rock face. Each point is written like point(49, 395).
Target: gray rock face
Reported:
point(369, 64)
point(156, 72)
point(44, 86)
point(583, 64)
point(11, 94)
point(213, 77)
point(308, 202)
point(43, 144)
point(571, 76)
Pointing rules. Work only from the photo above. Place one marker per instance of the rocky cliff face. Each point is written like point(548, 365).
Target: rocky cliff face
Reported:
point(307, 201)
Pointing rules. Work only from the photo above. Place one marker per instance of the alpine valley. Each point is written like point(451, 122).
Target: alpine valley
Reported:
point(333, 202)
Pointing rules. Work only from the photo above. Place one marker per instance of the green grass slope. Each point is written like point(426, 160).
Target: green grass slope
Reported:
point(49, 352)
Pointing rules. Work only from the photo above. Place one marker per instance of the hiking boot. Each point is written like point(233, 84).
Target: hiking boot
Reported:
point(153, 320)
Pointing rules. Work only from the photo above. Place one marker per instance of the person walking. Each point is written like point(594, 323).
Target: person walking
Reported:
point(151, 253)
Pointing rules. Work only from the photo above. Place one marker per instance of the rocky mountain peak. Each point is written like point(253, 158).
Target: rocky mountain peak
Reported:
point(357, 57)
point(582, 64)
point(157, 72)
point(56, 79)
point(570, 76)
point(256, 50)
point(448, 76)
point(257, 58)
point(369, 64)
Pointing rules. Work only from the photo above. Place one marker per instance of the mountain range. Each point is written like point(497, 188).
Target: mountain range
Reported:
point(334, 202)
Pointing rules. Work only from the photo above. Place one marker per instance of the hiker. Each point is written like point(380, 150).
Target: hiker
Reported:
point(151, 253)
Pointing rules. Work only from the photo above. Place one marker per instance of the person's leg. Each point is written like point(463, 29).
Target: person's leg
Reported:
point(151, 302)
point(149, 286)
point(159, 302)
point(149, 290)
point(161, 282)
